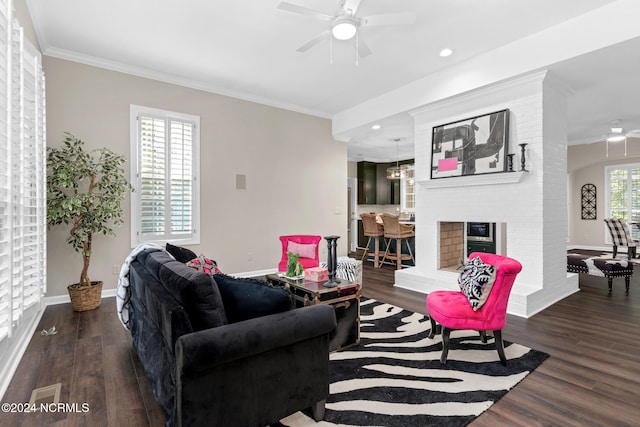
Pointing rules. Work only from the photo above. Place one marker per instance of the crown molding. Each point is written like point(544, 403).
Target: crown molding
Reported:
point(148, 73)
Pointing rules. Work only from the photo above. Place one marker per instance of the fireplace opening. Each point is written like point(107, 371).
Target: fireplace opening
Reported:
point(459, 239)
point(451, 245)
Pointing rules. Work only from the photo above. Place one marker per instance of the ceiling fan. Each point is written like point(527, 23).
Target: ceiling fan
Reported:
point(345, 23)
point(618, 134)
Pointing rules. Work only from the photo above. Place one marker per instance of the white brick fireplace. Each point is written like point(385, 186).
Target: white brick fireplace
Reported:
point(532, 205)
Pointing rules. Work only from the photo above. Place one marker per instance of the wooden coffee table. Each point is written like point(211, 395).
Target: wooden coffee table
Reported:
point(345, 298)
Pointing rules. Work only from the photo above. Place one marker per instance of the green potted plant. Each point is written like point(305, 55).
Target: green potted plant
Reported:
point(85, 190)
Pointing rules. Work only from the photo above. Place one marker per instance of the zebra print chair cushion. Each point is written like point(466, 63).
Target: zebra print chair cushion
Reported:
point(348, 269)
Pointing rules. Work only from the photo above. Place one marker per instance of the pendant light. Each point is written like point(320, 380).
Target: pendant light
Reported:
point(397, 171)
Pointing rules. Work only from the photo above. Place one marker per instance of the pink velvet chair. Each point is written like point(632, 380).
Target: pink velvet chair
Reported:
point(452, 310)
point(304, 244)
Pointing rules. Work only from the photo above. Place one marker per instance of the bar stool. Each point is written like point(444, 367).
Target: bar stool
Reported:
point(375, 231)
point(393, 229)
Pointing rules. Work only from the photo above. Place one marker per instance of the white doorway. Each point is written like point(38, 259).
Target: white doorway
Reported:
point(352, 213)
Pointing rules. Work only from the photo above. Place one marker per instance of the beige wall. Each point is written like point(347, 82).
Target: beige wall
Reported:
point(586, 165)
point(296, 172)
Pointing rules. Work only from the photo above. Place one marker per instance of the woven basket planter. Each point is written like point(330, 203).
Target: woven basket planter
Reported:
point(85, 298)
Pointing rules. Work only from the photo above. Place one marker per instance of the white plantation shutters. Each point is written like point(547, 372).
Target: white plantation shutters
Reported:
point(166, 188)
point(181, 174)
point(22, 185)
point(5, 171)
point(622, 196)
point(152, 176)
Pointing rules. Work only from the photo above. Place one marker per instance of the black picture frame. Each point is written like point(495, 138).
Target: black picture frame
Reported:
point(473, 146)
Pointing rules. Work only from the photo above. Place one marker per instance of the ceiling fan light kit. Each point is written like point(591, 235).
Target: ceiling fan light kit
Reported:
point(344, 25)
point(617, 135)
point(344, 28)
point(617, 140)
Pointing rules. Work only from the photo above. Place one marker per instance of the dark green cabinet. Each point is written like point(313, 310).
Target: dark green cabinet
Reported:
point(367, 183)
point(394, 188)
point(373, 186)
point(384, 187)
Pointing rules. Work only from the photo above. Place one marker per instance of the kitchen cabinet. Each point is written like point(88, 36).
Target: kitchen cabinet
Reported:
point(373, 186)
point(367, 183)
point(387, 190)
point(394, 188)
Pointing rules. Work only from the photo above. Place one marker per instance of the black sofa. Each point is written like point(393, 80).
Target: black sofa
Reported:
point(206, 371)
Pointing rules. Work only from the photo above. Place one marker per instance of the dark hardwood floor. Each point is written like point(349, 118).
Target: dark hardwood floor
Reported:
point(591, 379)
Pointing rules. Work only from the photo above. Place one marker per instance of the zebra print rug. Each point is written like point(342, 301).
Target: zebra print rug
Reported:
point(394, 377)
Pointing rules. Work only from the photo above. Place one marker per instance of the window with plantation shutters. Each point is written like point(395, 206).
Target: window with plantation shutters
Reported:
point(622, 196)
point(165, 148)
point(22, 189)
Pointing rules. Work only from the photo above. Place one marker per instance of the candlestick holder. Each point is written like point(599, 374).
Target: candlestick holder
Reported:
point(510, 162)
point(522, 158)
point(332, 262)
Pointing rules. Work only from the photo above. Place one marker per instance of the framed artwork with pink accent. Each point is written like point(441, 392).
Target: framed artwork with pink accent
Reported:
point(472, 146)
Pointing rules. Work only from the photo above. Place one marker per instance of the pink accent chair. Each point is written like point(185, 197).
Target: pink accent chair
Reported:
point(302, 239)
point(452, 310)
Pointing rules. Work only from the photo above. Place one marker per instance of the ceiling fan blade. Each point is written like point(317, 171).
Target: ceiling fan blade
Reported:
point(314, 41)
point(363, 48)
point(634, 133)
point(290, 7)
point(352, 5)
point(403, 18)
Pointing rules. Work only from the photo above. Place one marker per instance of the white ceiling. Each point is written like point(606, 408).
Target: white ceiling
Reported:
point(247, 49)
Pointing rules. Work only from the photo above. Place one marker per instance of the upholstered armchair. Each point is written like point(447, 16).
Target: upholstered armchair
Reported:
point(621, 236)
point(303, 244)
point(476, 309)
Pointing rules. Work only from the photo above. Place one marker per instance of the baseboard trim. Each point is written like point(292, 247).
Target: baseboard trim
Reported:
point(590, 248)
point(64, 299)
point(107, 293)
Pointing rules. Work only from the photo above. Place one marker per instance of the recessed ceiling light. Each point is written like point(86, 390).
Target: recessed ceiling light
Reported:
point(375, 127)
point(446, 52)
